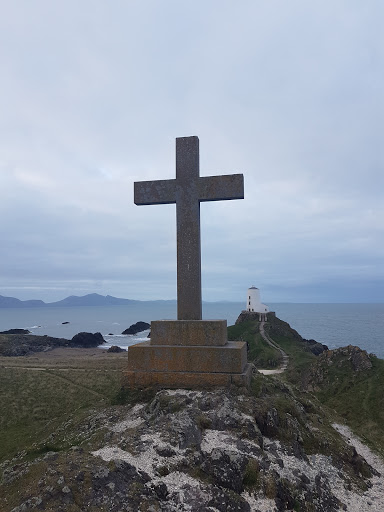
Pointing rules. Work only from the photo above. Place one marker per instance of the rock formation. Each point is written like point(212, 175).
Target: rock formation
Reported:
point(14, 345)
point(115, 349)
point(197, 451)
point(86, 340)
point(347, 361)
point(137, 327)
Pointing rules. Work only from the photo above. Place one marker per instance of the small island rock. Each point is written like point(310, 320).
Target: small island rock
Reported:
point(87, 340)
point(137, 327)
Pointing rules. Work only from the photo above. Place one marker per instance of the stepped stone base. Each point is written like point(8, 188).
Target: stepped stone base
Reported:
point(189, 380)
point(187, 354)
point(230, 358)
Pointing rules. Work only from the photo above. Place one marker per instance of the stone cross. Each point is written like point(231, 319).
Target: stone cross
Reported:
point(188, 190)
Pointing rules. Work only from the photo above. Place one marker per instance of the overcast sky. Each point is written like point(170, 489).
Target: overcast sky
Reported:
point(290, 93)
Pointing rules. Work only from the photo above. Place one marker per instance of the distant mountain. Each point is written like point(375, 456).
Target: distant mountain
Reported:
point(11, 302)
point(92, 299)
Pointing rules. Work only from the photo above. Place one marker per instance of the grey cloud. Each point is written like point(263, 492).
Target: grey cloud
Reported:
point(93, 95)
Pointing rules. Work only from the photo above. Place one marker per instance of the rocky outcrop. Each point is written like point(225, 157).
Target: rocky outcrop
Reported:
point(137, 327)
point(333, 365)
point(247, 316)
point(115, 349)
point(358, 358)
point(195, 451)
point(14, 345)
point(86, 340)
point(314, 346)
point(16, 331)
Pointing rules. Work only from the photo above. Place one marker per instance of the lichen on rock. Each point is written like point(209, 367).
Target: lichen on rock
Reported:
point(198, 450)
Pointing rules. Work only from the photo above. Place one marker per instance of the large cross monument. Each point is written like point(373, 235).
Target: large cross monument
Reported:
point(189, 351)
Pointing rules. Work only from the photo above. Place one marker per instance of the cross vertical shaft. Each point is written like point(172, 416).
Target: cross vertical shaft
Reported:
point(189, 304)
point(187, 191)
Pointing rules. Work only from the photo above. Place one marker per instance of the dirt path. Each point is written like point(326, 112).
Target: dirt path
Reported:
point(274, 345)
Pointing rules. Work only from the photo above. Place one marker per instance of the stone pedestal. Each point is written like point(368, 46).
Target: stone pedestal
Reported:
point(188, 354)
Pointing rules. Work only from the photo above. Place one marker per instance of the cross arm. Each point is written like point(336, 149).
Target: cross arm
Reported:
point(218, 188)
point(155, 192)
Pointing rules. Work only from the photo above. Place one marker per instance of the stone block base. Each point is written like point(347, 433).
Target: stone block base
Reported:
point(230, 358)
point(187, 380)
point(189, 332)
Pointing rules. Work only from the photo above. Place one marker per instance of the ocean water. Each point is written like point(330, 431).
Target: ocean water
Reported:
point(335, 325)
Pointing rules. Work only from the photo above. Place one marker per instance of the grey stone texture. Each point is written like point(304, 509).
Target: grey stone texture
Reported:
point(187, 191)
point(189, 380)
point(189, 332)
point(232, 358)
point(188, 352)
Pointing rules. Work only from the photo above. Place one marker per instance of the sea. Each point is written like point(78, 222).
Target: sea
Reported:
point(335, 325)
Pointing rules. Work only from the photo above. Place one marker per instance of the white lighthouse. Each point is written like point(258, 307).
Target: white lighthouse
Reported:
point(254, 304)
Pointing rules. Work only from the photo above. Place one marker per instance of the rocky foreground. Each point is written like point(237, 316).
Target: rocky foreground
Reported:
point(200, 451)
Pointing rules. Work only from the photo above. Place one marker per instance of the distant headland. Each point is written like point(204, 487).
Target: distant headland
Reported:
point(92, 299)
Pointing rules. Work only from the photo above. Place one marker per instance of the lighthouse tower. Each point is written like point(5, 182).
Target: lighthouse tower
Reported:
point(254, 304)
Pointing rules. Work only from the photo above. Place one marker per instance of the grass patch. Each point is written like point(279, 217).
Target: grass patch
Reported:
point(252, 474)
point(299, 357)
point(42, 450)
point(358, 398)
point(125, 396)
point(259, 351)
point(35, 402)
point(256, 384)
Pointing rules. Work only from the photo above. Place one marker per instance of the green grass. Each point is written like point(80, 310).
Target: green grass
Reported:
point(35, 402)
point(358, 398)
point(299, 357)
point(259, 351)
point(252, 474)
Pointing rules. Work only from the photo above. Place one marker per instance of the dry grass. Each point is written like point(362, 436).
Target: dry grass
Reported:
point(84, 358)
point(39, 392)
